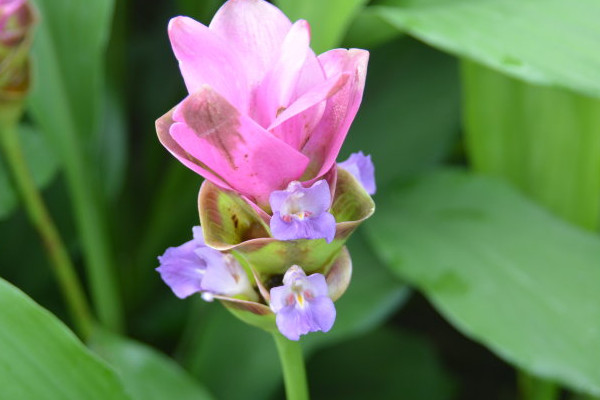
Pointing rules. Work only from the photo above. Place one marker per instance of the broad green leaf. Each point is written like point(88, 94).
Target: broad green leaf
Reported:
point(409, 118)
point(41, 359)
point(251, 359)
point(550, 42)
point(146, 373)
point(544, 140)
point(328, 19)
point(504, 271)
point(42, 163)
point(386, 364)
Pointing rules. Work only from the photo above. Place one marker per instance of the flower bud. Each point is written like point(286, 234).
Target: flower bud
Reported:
point(16, 20)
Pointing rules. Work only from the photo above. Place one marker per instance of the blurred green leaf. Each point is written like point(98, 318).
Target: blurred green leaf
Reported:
point(328, 20)
point(502, 270)
point(146, 373)
point(41, 359)
point(42, 163)
point(551, 42)
point(110, 146)
point(395, 364)
point(227, 348)
point(369, 30)
point(65, 101)
point(544, 140)
point(409, 118)
point(68, 63)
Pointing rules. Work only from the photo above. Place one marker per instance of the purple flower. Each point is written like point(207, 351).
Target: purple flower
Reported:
point(194, 267)
point(302, 304)
point(361, 167)
point(301, 213)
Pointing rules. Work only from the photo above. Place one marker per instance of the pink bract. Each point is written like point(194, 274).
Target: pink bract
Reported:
point(263, 110)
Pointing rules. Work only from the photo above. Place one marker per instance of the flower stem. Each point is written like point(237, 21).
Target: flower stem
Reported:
point(41, 220)
point(292, 364)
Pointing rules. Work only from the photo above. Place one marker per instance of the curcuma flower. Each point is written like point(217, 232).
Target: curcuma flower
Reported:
point(194, 267)
point(263, 110)
point(302, 213)
point(263, 122)
point(362, 168)
point(302, 304)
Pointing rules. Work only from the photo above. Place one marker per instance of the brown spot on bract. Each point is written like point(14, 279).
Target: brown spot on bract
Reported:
point(235, 220)
point(213, 119)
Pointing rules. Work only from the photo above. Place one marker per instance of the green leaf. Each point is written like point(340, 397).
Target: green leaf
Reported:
point(544, 140)
point(406, 125)
point(502, 270)
point(550, 42)
point(328, 19)
point(41, 359)
point(68, 67)
point(41, 160)
point(146, 373)
point(372, 296)
point(369, 30)
point(386, 364)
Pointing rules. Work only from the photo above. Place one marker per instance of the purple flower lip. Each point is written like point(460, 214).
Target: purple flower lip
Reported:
point(302, 304)
point(362, 168)
point(302, 213)
point(194, 267)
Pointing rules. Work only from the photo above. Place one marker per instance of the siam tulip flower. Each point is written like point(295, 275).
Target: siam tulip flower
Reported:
point(194, 267)
point(302, 213)
point(361, 167)
point(263, 110)
point(302, 304)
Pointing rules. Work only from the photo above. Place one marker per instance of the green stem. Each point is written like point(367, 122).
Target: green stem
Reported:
point(532, 388)
point(41, 220)
point(292, 364)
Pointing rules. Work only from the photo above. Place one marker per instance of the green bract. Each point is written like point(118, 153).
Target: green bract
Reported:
point(231, 224)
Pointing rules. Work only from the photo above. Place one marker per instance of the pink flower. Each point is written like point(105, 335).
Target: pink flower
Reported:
point(263, 110)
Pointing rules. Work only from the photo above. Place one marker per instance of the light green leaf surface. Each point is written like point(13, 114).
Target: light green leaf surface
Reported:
point(544, 140)
point(502, 270)
point(42, 162)
point(328, 19)
point(551, 42)
point(41, 359)
point(146, 373)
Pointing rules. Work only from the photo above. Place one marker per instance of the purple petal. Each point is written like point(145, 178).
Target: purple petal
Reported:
point(225, 276)
point(182, 269)
point(278, 297)
point(302, 304)
point(291, 324)
point(318, 285)
point(318, 227)
point(362, 168)
point(322, 313)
